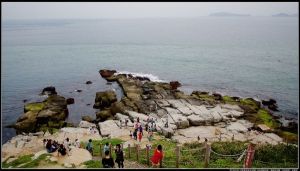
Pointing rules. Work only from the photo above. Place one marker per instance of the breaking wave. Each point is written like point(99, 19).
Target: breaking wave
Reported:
point(152, 77)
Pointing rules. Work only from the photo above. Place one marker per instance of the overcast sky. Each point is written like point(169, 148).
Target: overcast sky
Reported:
point(56, 10)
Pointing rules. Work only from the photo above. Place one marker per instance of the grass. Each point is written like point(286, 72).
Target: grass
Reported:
point(18, 161)
point(97, 143)
point(265, 117)
point(93, 164)
point(26, 161)
point(282, 155)
point(289, 136)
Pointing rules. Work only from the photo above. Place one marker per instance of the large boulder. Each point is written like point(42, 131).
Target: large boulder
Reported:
point(105, 99)
point(108, 127)
point(107, 73)
point(53, 109)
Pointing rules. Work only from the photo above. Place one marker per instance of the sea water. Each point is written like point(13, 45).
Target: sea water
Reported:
point(254, 57)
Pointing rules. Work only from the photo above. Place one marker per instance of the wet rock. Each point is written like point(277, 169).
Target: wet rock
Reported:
point(49, 91)
point(107, 73)
point(117, 107)
point(87, 118)
point(25, 100)
point(217, 96)
point(104, 114)
point(78, 91)
point(88, 82)
point(174, 85)
point(70, 100)
point(105, 99)
point(142, 78)
point(273, 107)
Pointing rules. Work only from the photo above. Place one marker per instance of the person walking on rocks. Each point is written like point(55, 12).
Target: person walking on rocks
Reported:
point(67, 145)
point(119, 156)
point(135, 134)
point(61, 150)
point(126, 122)
point(107, 161)
point(77, 143)
point(89, 146)
point(140, 136)
point(150, 135)
point(106, 147)
point(157, 156)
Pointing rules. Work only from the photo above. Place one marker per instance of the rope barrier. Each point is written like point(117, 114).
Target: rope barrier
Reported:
point(194, 149)
point(227, 155)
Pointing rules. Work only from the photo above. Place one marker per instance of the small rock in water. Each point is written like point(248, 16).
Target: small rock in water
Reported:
point(25, 100)
point(70, 101)
point(88, 104)
point(88, 82)
point(78, 90)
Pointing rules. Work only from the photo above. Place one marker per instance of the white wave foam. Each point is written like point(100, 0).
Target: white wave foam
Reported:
point(153, 78)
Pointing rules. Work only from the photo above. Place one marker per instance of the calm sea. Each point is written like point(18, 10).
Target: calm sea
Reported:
point(254, 57)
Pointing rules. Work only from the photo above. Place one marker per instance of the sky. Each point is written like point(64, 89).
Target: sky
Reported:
point(93, 10)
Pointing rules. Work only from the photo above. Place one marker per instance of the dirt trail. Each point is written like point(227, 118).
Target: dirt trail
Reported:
point(127, 163)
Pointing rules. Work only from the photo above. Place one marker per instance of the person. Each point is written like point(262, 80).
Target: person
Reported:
point(126, 122)
point(135, 134)
point(198, 138)
point(120, 124)
point(130, 134)
point(106, 147)
point(61, 150)
point(77, 143)
point(140, 136)
point(107, 161)
point(67, 145)
point(146, 127)
point(166, 124)
point(89, 146)
point(119, 156)
point(140, 129)
point(45, 142)
point(50, 146)
point(157, 156)
point(138, 119)
point(150, 135)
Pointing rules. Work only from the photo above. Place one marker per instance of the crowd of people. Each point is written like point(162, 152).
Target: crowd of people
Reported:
point(107, 160)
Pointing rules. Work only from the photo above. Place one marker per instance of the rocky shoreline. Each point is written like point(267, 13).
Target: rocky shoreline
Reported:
point(190, 118)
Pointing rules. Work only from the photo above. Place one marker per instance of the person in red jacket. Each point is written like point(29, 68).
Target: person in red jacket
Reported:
point(157, 156)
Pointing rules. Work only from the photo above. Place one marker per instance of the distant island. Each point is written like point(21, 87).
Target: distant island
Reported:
point(227, 14)
point(285, 15)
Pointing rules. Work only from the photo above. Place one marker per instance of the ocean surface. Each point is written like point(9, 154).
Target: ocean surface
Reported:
point(254, 57)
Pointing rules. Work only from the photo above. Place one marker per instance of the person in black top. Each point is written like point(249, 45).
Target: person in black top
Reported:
point(107, 161)
point(119, 156)
point(62, 150)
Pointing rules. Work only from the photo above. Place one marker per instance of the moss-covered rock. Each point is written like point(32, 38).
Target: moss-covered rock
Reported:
point(53, 109)
point(104, 99)
point(229, 100)
point(34, 106)
point(104, 114)
point(264, 117)
point(249, 105)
